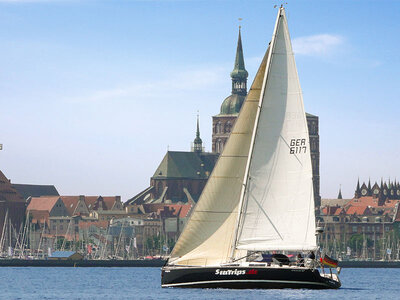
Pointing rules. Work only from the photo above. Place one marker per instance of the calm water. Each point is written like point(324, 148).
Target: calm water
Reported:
point(144, 283)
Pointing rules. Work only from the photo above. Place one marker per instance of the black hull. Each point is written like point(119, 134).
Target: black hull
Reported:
point(245, 278)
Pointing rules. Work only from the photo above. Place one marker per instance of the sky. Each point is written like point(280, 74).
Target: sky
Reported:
point(93, 93)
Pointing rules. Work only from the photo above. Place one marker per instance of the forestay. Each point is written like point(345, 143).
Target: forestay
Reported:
point(278, 204)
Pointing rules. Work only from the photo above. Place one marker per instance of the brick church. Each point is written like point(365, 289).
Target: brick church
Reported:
point(181, 176)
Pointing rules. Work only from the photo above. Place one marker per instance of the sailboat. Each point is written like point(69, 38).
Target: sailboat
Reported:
point(259, 197)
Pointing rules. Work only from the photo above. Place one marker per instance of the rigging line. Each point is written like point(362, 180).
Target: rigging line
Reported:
point(289, 148)
point(265, 214)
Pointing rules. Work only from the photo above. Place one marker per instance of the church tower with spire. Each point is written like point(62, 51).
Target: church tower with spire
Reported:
point(197, 143)
point(224, 121)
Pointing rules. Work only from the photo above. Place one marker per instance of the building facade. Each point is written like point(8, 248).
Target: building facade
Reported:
point(12, 210)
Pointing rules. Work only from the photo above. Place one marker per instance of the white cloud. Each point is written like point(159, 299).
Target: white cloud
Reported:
point(178, 84)
point(317, 45)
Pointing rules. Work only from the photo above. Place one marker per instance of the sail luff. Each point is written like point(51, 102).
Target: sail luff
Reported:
point(246, 176)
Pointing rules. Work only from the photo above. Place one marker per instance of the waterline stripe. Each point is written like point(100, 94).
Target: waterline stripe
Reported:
point(226, 281)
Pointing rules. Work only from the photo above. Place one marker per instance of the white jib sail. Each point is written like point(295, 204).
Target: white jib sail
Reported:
point(278, 203)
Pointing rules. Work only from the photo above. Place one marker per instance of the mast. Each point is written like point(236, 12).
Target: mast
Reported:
point(2, 241)
point(246, 176)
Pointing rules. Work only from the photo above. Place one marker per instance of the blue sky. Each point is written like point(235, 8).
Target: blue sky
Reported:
point(92, 93)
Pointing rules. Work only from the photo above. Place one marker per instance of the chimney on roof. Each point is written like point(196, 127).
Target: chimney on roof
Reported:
point(81, 197)
point(118, 198)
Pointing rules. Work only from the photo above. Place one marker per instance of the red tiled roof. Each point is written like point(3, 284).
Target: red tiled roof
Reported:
point(90, 201)
point(339, 211)
point(70, 203)
point(87, 224)
point(331, 210)
point(109, 202)
point(358, 210)
point(42, 203)
point(371, 201)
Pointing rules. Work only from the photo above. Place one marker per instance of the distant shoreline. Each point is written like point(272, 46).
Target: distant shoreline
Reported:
point(155, 263)
point(80, 263)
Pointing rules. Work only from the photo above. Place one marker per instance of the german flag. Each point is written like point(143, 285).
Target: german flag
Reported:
point(326, 260)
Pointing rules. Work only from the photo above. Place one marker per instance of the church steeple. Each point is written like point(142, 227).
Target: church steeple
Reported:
point(197, 143)
point(239, 74)
point(357, 193)
point(340, 193)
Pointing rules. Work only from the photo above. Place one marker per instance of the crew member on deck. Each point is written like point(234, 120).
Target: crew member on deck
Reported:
point(300, 260)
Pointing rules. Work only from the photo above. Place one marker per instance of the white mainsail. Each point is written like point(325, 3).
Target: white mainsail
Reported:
point(276, 209)
point(278, 203)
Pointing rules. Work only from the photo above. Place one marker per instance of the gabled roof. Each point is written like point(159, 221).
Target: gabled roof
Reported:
point(42, 203)
point(188, 165)
point(35, 190)
point(109, 202)
point(91, 201)
point(70, 203)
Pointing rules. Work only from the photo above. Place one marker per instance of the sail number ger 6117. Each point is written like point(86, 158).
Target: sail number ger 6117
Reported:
point(298, 146)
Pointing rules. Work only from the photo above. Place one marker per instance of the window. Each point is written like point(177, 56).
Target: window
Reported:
point(219, 127)
point(228, 127)
point(61, 227)
point(354, 228)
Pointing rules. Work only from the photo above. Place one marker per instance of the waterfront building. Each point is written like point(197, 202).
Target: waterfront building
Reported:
point(12, 208)
point(35, 190)
point(367, 226)
point(66, 218)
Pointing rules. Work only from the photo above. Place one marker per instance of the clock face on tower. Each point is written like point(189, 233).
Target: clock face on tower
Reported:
point(392, 192)
point(376, 191)
point(398, 192)
point(385, 192)
point(363, 192)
